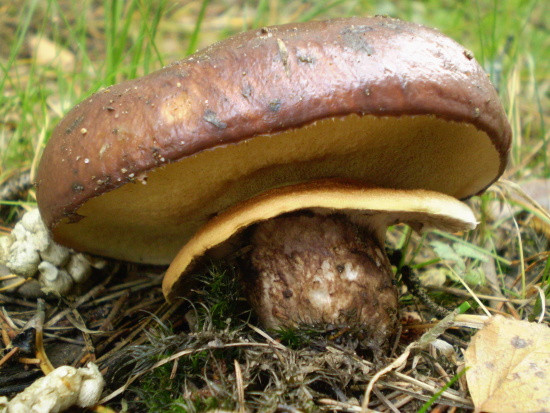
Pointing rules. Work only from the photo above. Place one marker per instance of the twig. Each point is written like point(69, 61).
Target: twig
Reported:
point(404, 399)
point(344, 406)
point(106, 325)
point(174, 369)
point(448, 394)
point(398, 362)
point(542, 297)
point(37, 322)
point(15, 284)
point(384, 400)
point(8, 327)
point(139, 285)
point(50, 337)
point(8, 277)
point(11, 300)
point(461, 293)
point(143, 323)
point(240, 386)
point(416, 394)
point(9, 355)
point(115, 335)
point(426, 339)
point(79, 302)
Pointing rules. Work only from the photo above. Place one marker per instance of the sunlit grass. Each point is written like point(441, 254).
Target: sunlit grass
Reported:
point(97, 44)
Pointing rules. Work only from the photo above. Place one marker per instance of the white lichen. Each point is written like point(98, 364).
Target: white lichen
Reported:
point(54, 279)
point(64, 387)
point(29, 251)
point(79, 267)
point(56, 254)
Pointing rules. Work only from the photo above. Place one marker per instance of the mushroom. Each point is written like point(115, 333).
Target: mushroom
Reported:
point(317, 251)
point(328, 109)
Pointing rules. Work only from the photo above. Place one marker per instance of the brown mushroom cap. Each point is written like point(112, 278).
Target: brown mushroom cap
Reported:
point(367, 207)
point(386, 102)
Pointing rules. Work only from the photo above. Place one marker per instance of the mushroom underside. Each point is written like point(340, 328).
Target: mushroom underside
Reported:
point(149, 223)
point(317, 251)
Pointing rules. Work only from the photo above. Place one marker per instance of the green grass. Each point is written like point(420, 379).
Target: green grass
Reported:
point(114, 40)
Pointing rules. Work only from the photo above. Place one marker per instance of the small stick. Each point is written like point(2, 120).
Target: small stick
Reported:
point(426, 339)
point(15, 284)
point(30, 360)
point(9, 355)
point(8, 329)
point(384, 400)
point(8, 277)
point(45, 364)
point(240, 386)
point(52, 321)
point(114, 311)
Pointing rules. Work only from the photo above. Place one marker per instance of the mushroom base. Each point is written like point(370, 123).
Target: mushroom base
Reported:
point(315, 269)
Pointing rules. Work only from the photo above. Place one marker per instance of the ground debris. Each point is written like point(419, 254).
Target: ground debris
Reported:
point(29, 250)
point(62, 388)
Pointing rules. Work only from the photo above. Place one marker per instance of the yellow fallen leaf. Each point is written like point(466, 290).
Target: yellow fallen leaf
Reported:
point(509, 367)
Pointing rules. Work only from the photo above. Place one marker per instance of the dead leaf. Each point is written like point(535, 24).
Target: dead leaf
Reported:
point(433, 277)
point(539, 191)
point(509, 367)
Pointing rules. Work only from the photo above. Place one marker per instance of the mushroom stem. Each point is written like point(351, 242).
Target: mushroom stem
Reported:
point(315, 269)
point(317, 253)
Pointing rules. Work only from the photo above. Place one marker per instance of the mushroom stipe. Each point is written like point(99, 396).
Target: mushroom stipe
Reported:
point(317, 252)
